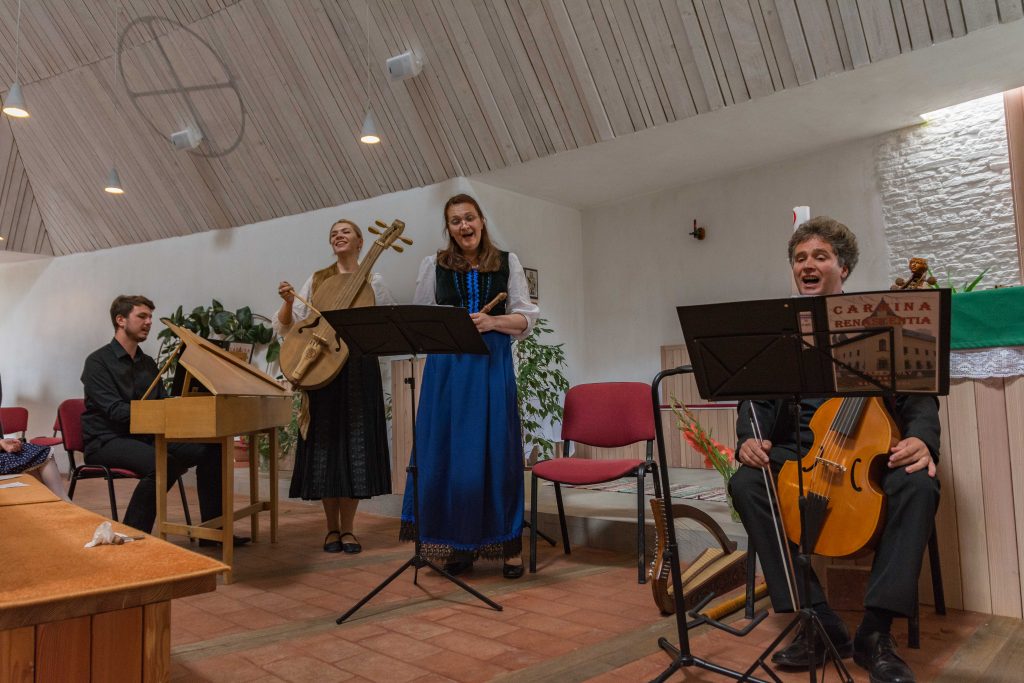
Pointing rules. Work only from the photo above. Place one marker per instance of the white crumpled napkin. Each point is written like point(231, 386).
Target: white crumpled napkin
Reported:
point(105, 535)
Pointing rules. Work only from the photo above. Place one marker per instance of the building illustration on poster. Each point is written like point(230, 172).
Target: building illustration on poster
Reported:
point(860, 326)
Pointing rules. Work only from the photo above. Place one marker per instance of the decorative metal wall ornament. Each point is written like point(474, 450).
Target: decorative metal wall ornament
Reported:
point(214, 143)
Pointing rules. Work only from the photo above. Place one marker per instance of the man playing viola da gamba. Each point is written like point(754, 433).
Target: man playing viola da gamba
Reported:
point(822, 254)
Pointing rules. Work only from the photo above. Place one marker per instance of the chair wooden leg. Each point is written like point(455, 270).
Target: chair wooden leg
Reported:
point(113, 500)
point(641, 523)
point(748, 610)
point(184, 504)
point(914, 621)
point(561, 518)
point(533, 524)
point(933, 559)
point(914, 628)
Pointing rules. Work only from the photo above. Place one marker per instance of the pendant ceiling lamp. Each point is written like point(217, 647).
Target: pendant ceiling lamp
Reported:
point(114, 185)
point(368, 135)
point(369, 132)
point(14, 103)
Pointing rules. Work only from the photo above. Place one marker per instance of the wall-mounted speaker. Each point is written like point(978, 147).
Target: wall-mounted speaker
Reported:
point(189, 138)
point(403, 66)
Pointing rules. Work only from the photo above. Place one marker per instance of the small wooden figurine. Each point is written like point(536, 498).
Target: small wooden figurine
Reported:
point(919, 277)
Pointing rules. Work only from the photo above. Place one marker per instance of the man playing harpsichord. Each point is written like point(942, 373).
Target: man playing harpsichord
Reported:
point(117, 374)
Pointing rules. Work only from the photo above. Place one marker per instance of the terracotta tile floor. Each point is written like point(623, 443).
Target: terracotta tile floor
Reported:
point(581, 617)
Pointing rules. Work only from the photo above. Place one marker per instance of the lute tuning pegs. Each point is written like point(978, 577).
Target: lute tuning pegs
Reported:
point(399, 225)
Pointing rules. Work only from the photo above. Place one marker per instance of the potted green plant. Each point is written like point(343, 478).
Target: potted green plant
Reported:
point(541, 384)
point(966, 287)
point(216, 322)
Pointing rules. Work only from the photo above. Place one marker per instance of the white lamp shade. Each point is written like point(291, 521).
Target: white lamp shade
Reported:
point(14, 103)
point(369, 131)
point(114, 183)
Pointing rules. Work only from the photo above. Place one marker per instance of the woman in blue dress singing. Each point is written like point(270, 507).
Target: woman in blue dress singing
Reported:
point(468, 443)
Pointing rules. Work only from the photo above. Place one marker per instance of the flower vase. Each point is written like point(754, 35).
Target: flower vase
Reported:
point(732, 509)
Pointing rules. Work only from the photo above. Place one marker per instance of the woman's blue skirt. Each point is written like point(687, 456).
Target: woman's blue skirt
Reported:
point(30, 457)
point(469, 456)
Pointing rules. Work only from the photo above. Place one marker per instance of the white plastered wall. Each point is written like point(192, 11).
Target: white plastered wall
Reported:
point(56, 310)
point(640, 261)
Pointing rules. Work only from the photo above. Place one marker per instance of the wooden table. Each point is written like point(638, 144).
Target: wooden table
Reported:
point(69, 613)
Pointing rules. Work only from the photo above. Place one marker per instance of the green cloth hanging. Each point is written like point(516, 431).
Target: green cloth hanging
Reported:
point(987, 318)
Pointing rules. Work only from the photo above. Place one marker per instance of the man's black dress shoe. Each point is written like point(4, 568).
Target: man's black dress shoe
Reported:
point(796, 654)
point(512, 571)
point(876, 652)
point(235, 541)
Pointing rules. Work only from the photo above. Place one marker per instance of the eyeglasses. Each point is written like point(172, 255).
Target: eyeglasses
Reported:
point(456, 221)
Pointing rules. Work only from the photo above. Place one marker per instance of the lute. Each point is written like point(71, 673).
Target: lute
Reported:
point(312, 353)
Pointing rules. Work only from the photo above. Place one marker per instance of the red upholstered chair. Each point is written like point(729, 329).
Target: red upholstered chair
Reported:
point(49, 441)
point(69, 420)
point(606, 415)
point(14, 420)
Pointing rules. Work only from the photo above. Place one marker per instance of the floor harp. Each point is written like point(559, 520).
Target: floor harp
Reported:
point(716, 570)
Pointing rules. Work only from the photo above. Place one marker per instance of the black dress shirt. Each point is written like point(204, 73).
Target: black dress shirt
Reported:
point(112, 380)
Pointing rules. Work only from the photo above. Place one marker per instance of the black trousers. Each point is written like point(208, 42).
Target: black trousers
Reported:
point(911, 502)
point(139, 456)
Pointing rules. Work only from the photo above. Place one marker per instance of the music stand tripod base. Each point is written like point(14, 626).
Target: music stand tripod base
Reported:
point(409, 331)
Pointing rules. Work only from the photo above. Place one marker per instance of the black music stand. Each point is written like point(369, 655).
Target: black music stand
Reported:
point(399, 331)
point(681, 655)
point(786, 348)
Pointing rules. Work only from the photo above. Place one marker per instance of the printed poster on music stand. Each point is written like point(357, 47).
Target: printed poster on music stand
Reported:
point(860, 325)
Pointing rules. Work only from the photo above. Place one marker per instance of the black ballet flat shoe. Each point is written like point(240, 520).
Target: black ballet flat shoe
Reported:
point(352, 547)
point(236, 541)
point(512, 571)
point(876, 652)
point(456, 567)
point(334, 546)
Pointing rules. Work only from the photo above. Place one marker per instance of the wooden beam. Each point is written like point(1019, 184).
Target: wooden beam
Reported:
point(1013, 106)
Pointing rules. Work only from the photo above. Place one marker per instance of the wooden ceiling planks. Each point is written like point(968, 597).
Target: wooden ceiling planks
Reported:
point(980, 13)
point(63, 35)
point(510, 51)
point(505, 82)
point(1009, 10)
point(424, 149)
point(647, 66)
point(21, 226)
point(747, 41)
point(630, 70)
point(667, 65)
point(821, 36)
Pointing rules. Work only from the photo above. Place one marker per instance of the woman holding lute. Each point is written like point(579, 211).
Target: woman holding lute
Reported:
point(822, 253)
point(468, 443)
point(342, 452)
